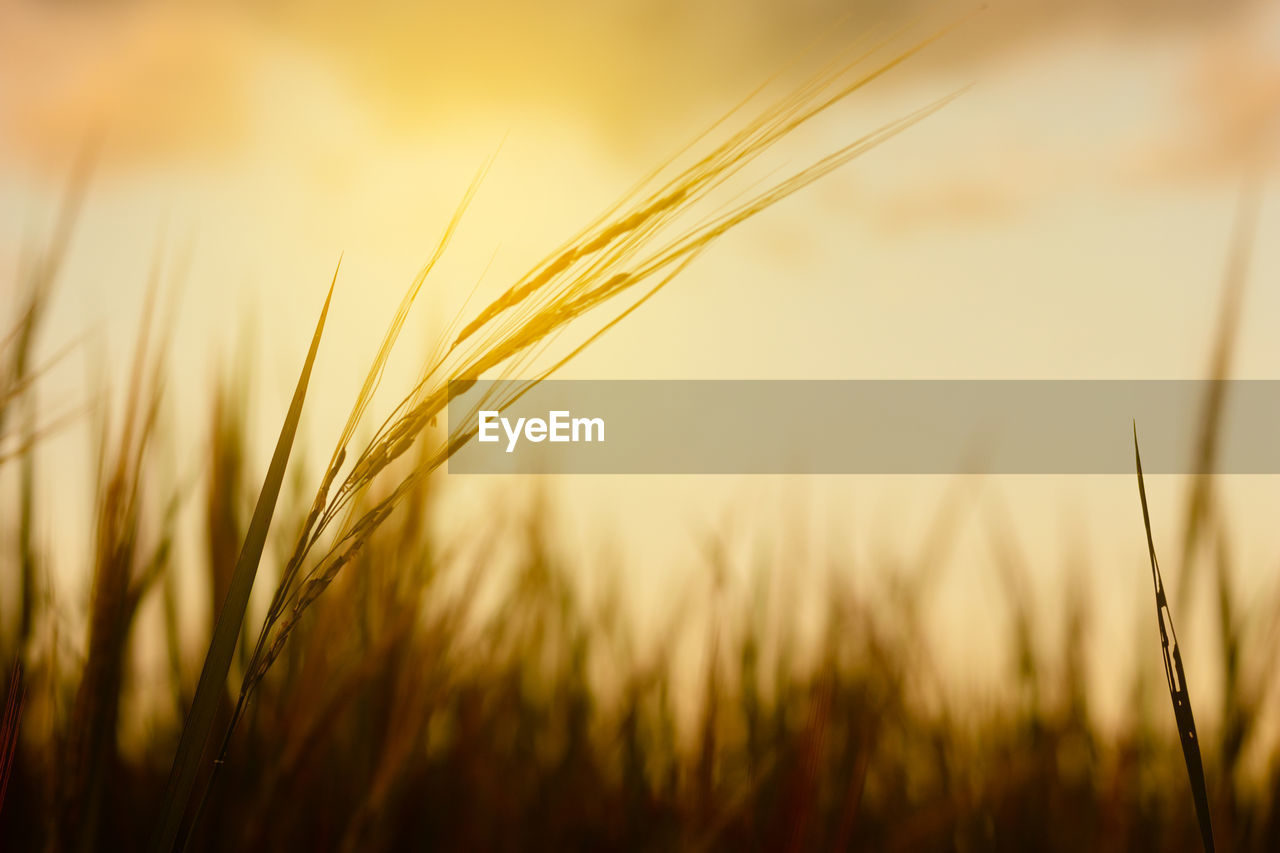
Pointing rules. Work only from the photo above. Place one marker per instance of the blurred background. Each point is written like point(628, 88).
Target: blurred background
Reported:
point(1071, 215)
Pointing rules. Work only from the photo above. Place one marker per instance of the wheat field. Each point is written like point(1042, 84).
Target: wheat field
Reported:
point(366, 681)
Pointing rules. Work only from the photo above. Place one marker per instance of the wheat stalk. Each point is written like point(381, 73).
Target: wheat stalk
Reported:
point(636, 247)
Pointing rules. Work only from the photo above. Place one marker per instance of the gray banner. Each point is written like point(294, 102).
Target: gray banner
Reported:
point(860, 427)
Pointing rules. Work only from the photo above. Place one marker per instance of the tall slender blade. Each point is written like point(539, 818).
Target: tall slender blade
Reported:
point(9, 726)
point(213, 676)
point(1213, 409)
point(1174, 675)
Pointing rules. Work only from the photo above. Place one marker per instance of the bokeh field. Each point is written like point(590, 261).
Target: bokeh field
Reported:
point(244, 605)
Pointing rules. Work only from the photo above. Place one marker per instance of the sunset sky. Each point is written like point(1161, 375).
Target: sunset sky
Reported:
point(1069, 216)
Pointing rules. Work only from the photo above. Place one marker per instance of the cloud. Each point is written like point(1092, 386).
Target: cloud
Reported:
point(153, 79)
point(1231, 116)
point(179, 79)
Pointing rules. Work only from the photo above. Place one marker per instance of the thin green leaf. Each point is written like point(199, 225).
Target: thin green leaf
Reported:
point(213, 676)
point(1174, 675)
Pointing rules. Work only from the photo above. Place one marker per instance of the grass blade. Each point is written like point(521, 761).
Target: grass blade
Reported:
point(1174, 675)
point(1212, 410)
point(213, 675)
point(9, 727)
